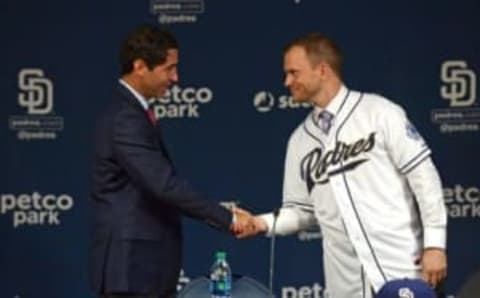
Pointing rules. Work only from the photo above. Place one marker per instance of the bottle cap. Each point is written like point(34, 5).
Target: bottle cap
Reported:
point(221, 255)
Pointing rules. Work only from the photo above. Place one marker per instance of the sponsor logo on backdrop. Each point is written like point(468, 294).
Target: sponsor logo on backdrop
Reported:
point(462, 201)
point(318, 291)
point(313, 291)
point(182, 102)
point(265, 101)
point(35, 209)
point(459, 90)
point(310, 234)
point(460, 83)
point(36, 98)
point(177, 11)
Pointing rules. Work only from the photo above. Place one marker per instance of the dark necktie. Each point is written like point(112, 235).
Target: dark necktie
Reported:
point(325, 121)
point(151, 115)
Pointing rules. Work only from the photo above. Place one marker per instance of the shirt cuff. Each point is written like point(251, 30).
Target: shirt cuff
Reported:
point(268, 217)
point(434, 237)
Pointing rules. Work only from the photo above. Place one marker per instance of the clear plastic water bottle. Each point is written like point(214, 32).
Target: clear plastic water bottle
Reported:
point(220, 277)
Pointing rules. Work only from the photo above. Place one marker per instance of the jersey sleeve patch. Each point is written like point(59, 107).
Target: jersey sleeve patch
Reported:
point(412, 132)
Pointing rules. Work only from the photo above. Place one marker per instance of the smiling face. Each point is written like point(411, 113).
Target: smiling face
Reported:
point(157, 80)
point(302, 78)
point(149, 60)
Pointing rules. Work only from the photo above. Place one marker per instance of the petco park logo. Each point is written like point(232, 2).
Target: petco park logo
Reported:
point(35, 209)
point(177, 11)
point(36, 97)
point(182, 102)
point(265, 101)
point(459, 88)
point(462, 201)
point(313, 291)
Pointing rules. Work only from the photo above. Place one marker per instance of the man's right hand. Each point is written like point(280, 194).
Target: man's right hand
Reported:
point(243, 221)
point(255, 225)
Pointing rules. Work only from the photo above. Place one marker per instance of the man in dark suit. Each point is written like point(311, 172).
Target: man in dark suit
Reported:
point(137, 196)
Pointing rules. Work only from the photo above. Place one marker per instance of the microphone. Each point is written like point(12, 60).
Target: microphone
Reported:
point(276, 212)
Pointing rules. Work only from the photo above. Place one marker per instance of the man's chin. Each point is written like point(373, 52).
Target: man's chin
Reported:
point(161, 94)
point(297, 99)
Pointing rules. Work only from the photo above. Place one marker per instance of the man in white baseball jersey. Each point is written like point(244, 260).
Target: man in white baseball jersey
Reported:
point(357, 167)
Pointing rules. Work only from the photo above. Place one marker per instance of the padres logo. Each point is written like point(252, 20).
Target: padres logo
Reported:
point(405, 293)
point(36, 91)
point(460, 83)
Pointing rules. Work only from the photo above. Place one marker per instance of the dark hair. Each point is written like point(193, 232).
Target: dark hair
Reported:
point(319, 48)
point(146, 42)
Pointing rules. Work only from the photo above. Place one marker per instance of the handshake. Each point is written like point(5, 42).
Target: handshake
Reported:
point(246, 225)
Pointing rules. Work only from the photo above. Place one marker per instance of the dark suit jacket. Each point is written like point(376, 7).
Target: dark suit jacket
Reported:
point(137, 202)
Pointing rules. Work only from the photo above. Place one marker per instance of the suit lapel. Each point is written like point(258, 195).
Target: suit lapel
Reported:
point(133, 102)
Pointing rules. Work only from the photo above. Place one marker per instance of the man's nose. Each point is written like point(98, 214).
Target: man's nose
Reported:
point(287, 81)
point(174, 77)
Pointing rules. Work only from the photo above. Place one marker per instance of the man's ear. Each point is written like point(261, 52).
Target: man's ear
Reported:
point(324, 69)
point(139, 67)
point(321, 69)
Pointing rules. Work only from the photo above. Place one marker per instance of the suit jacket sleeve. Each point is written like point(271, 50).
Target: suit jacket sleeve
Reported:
point(138, 148)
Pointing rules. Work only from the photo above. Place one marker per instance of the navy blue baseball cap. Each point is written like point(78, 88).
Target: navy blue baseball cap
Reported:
point(411, 288)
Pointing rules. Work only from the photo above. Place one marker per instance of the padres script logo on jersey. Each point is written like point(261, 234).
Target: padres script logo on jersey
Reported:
point(315, 164)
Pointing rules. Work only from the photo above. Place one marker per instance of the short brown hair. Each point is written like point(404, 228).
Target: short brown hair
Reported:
point(149, 43)
point(319, 48)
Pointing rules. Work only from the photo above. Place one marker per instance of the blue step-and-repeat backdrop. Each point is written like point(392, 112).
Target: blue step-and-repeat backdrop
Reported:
point(226, 123)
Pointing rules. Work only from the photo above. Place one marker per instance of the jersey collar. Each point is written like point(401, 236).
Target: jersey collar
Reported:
point(334, 105)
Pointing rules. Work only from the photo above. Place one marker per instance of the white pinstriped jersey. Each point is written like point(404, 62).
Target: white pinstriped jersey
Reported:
point(371, 186)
